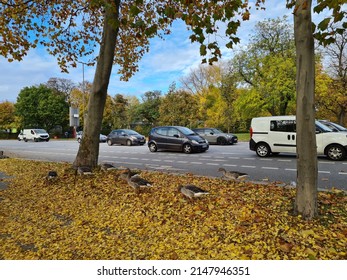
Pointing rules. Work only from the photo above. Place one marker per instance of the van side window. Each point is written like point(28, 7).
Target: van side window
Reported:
point(284, 126)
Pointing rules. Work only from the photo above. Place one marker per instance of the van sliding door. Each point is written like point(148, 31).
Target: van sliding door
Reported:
point(283, 136)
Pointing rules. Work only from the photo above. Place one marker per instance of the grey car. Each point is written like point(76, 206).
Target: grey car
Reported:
point(334, 126)
point(215, 136)
point(125, 137)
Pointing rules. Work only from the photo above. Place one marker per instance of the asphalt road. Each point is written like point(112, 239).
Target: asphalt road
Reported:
point(281, 168)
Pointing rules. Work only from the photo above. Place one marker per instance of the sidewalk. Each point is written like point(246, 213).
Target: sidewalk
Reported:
point(3, 185)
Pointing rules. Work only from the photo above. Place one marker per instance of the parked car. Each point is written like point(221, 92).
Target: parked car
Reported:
point(33, 134)
point(102, 139)
point(334, 126)
point(176, 138)
point(125, 137)
point(215, 136)
point(277, 134)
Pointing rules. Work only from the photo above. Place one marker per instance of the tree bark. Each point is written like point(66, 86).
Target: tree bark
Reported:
point(88, 151)
point(307, 170)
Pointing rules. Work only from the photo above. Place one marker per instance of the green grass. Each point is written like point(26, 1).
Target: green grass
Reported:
point(243, 137)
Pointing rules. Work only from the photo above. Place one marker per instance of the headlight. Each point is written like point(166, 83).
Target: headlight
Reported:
point(195, 142)
point(133, 138)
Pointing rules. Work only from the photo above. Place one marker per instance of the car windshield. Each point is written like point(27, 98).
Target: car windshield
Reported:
point(130, 132)
point(323, 127)
point(337, 126)
point(40, 131)
point(187, 131)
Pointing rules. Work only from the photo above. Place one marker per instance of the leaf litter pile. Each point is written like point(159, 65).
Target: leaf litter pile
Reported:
point(101, 217)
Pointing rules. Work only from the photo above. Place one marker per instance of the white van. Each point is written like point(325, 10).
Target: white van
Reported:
point(33, 134)
point(277, 134)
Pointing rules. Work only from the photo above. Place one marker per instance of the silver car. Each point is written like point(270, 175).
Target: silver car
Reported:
point(215, 136)
point(79, 136)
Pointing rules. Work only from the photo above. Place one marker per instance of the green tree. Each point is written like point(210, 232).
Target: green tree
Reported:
point(41, 107)
point(179, 107)
point(148, 110)
point(267, 66)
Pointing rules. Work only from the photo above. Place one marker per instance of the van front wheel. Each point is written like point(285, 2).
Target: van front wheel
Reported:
point(262, 150)
point(335, 152)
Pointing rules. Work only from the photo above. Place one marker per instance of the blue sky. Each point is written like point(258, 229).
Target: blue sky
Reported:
point(165, 63)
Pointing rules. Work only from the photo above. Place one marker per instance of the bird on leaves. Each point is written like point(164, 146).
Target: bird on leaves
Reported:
point(84, 170)
point(107, 166)
point(192, 191)
point(234, 175)
point(136, 182)
point(52, 175)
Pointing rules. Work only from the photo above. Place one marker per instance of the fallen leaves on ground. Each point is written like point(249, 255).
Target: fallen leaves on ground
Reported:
point(101, 217)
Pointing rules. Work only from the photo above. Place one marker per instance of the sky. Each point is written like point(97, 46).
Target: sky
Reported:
point(165, 63)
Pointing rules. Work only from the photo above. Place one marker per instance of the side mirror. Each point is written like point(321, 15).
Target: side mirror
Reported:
point(176, 135)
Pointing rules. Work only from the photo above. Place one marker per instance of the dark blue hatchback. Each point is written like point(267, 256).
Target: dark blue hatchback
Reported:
point(176, 138)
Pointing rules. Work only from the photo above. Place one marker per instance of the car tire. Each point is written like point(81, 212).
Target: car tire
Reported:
point(262, 150)
point(128, 142)
point(152, 147)
point(221, 141)
point(187, 148)
point(109, 142)
point(335, 152)
point(25, 140)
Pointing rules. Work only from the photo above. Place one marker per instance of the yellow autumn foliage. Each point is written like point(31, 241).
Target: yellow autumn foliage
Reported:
point(101, 217)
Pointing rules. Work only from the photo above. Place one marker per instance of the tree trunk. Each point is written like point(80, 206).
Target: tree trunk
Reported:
point(88, 151)
point(307, 170)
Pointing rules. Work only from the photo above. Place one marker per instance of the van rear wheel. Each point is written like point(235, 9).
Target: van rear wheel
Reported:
point(335, 152)
point(262, 150)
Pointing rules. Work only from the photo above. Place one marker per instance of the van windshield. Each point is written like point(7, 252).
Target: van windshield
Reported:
point(323, 127)
point(40, 131)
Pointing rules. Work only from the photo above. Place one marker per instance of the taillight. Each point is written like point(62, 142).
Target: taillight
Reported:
point(251, 132)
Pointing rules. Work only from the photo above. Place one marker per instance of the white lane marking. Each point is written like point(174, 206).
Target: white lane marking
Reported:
point(290, 169)
point(271, 168)
point(325, 172)
point(248, 166)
